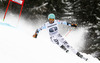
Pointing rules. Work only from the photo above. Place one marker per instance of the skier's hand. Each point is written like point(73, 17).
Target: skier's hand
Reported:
point(35, 35)
point(74, 25)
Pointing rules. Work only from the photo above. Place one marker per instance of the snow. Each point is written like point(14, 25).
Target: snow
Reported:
point(77, 37)
point(1, 0)
point(43, 5)
point(98, 18)
point(17, 46)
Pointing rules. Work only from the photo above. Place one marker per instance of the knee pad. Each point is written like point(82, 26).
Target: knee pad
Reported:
point(63, 47)
point(56, 41)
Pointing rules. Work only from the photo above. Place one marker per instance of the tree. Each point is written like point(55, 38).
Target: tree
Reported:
point(87, 13)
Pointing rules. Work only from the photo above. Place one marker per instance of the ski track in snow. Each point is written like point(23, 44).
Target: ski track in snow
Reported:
point(18, 46)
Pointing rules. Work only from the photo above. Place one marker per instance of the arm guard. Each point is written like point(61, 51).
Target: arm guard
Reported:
point(64, 22)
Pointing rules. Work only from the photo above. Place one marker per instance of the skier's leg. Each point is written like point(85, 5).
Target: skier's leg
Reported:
point(81, 56)
point(69, 47)
point(56, 41)
point(74, 51)
point(64, 48)
point(78, 54)
point(65, 45)
point(61, 39)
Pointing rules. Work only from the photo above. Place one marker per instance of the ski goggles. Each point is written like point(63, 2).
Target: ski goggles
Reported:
point(51, 19)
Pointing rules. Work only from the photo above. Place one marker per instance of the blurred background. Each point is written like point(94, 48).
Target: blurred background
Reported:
point(86, 13)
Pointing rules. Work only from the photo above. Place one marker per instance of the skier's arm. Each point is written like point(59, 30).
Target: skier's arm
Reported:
point(66, 23)
point(38, 30)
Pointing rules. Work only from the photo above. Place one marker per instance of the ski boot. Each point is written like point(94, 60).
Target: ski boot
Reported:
point(81, 56)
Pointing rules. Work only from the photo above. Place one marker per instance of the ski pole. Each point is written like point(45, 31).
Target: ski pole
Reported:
point(68, 32)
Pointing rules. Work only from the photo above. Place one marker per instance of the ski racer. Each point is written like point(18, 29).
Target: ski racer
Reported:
point(52, 27)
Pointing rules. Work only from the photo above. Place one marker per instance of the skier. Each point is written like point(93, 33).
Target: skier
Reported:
point(52, 27)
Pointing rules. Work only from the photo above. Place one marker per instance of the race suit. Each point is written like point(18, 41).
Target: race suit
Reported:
point(55, 36)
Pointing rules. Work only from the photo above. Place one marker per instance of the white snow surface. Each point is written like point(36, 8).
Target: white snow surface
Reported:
point(18, 46)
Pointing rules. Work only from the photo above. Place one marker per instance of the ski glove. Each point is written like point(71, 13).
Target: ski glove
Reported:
point(35, 35)
point(74, 25)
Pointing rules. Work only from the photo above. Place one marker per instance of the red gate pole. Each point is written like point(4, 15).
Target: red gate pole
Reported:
point(21, 10)
point(6, 10)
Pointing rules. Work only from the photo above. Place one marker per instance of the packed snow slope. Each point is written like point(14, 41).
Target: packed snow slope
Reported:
point(18, 46)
